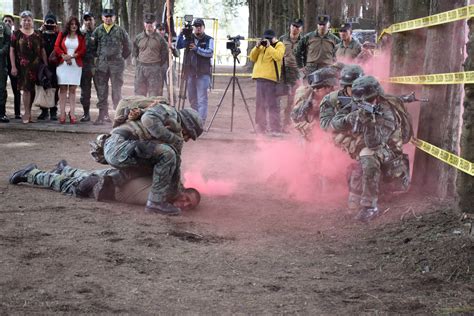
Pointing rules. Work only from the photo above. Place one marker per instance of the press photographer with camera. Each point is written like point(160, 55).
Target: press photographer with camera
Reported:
point(267, 56)
point(199, 48)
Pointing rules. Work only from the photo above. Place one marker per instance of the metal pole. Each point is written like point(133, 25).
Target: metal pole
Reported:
point(170, 54)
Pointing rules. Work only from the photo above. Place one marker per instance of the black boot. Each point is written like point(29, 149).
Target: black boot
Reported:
point(53, 113)
point(59, 167)
point(104, 190)
point(86, 117)
point(22, 174)
point(43, 115)
point(164, 208)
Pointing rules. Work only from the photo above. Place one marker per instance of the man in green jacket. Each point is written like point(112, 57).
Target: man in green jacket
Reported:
point(112, 48)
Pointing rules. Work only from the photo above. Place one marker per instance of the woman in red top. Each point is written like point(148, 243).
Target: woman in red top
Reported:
point(70, 47)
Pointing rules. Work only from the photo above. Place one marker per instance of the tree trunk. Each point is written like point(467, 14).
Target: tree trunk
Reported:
point(465, 182)
point(440, 118)
point(71, 8)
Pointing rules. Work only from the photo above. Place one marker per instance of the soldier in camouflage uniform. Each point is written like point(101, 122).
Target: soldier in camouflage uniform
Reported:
point(88, 67)
point(151, 52)
point(307, 98)
point(112, 48)
point(5, 35)
point(380, 155)
point(317, 49)
point(336, 100)
point(153, 145)
point(69, 180)
point(291, 68)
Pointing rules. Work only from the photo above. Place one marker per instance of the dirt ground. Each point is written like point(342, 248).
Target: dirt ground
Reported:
point(251, 251)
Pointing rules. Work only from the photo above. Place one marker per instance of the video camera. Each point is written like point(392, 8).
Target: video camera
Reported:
point(233, 44)
point(188, 28)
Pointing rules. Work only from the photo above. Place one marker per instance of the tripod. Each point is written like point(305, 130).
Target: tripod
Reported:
point(183, 83)
point(232, 80)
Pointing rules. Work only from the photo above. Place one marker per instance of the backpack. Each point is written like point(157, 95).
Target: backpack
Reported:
point(403, 116)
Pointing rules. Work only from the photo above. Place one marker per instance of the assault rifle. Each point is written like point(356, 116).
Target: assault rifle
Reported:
point(366, 107)
point(408, 98)
point(300, 114)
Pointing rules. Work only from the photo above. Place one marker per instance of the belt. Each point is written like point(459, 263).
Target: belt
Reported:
point(158, 63)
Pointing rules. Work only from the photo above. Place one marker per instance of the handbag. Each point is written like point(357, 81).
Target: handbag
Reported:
point(44, 98)
point(53, 59)
point(281, 88)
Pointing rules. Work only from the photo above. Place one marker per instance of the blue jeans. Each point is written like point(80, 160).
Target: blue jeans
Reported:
point(197, 94)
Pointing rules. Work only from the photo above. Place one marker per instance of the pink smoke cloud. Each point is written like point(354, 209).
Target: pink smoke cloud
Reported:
point(213, 187)
point(307, 171)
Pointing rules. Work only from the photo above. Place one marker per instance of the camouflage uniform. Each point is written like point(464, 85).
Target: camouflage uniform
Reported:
point(380, 152)
point(151, 53)
point(88, 70)
point(5, 35)
point(111, 50)
point(291, 75)
point(315, 51)
point(350, 52)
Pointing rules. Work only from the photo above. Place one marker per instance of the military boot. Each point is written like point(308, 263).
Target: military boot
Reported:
point(59, 167)
point(22, 174)
point(100, 119)
point(53, 113)
point(44, 114)
point(366, 214)
point(86, 117)
point(163, 208)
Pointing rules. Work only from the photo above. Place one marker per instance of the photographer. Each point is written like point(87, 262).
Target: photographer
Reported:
point(267, 56)
point(199, 48)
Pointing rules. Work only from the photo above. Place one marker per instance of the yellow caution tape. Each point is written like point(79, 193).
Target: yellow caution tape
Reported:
point(432, 20)
point(448, 78)
point(445, 156)
point(230, 74)
point(18, 17)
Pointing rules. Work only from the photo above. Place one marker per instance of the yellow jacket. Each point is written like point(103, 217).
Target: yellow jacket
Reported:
point(263, 58)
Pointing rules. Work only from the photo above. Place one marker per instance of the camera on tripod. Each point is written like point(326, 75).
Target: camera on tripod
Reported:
point(233, 44)
point(188, 28)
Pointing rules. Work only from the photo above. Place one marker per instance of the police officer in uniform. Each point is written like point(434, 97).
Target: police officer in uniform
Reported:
point(349, 48)
point(112, 48)
point(5, 34)
point(151, 52)
point(317, 49)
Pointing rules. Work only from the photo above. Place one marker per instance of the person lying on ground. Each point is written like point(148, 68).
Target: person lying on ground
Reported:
point(83, 183)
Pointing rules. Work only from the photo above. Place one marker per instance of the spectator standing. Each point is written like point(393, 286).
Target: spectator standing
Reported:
point(173, 50)
point(291, 68)
point(317, 49)
point(197, 66)
point(267, 56)
point(5, 36)
point(26, 53)
point(8, 20)
point(349, 48)
point(112, 48)
point(49, 32)
point(151, 52)
point(88, 65)
point(70, 47)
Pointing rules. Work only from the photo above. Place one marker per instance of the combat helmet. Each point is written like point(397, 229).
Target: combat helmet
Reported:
point(350, 73)
point(324, 77)
point(366, 88)
point(191, 122)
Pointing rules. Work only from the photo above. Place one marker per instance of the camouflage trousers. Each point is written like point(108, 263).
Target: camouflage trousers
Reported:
point(66, 181)
point(367, 177)
point(148, 80)
point(164, 164)
point(101, 80)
